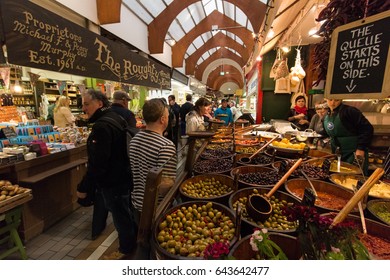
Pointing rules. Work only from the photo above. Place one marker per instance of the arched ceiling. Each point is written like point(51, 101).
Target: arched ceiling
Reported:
point(201, 32)
point(187, 26)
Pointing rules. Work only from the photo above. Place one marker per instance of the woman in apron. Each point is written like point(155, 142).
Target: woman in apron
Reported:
point(348, 129)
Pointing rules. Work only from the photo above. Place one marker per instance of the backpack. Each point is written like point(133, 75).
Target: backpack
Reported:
point(130, 131)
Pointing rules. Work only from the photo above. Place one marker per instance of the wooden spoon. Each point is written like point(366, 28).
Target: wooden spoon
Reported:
point(258, 206)
point(371, 181)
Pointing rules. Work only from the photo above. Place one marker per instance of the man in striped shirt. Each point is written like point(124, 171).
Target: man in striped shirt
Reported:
point(150, 149)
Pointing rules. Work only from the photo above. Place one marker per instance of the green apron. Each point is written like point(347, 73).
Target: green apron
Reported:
point(341, 137)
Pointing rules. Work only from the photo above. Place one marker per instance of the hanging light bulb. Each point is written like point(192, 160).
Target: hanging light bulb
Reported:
point(271, 33)
point(17, 87)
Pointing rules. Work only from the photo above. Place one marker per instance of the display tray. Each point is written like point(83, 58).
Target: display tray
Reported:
point(15, 201)
point(380, 209)
point(221, 115)
point(201, 134)
point(265, 134)
point(287, 150)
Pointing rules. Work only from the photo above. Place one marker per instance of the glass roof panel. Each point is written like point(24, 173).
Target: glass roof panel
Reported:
point(185, 20)
point(138, 10)
point(176, 31)
point(197, 12)
point(155, 7)
point(209, 6)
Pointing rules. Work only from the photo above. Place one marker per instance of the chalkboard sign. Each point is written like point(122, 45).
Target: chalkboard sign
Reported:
point(359, 62)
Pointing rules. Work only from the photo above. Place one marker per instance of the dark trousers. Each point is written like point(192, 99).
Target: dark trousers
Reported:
point(117, 201)
point(183, 128)
point(100, 213)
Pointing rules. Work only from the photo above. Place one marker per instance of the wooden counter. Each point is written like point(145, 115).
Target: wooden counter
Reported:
point(53, 180)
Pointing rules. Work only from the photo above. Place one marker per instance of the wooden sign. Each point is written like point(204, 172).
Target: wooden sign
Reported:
point(359, 62)
point(38, 38)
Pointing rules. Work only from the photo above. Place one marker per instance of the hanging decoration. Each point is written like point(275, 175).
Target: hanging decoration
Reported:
point(81, 88)
point(33, 78)
point(297, 73)
point(275, 66)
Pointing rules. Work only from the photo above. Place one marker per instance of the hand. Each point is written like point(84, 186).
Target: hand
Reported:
point(303, 121)
point(81, 195)
point(300, 116)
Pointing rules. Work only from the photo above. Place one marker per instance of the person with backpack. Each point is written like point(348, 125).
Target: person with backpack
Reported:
point(120, 105)
point(150, 149)
point(108, 171)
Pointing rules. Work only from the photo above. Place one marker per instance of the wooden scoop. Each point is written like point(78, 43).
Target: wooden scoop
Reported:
point(258, 206)
point(248, 159)
point(371, 181)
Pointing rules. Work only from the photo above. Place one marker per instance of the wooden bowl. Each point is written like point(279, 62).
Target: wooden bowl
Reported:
point(380, 190)
point(257, 157)
point(330, 196)
point(345, 167)
point(162, 253)
point(374, 229)
point(248, 224)
point(380, 210)
point(222, 198)
point(246, 149)
point(242, 250)
point(318, 153)
point(214, 166)
point(245, 169)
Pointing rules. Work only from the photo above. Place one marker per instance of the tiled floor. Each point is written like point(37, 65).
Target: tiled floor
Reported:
point(70, 239)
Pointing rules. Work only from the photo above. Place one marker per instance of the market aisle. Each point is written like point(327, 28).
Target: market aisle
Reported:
point(70, 239)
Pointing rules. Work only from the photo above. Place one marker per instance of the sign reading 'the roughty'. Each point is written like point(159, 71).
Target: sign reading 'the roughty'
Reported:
point(38, 38)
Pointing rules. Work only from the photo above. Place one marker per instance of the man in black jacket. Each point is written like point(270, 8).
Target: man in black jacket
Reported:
point(184, 110)
point(120, 105)
point(109, 168)
point(175, 108)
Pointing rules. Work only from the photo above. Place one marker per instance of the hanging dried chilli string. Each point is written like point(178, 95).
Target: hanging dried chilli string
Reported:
point(365, 10)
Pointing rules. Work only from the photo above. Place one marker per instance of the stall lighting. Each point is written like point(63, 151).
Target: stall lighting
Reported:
point(17, 87)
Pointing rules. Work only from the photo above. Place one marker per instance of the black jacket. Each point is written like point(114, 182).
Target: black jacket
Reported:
point(108, 163)
point(125, 113)
point(356, 123)
point(184, 110)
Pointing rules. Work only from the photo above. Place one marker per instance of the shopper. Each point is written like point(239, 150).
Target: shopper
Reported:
point(109, 168)
point(175, 108)
point(150, 149)
point(348, 129)
point(184, 110)
point(224, 113)
point(120, 105)
point(298, 115)
point(63, 116)
point(317, 121)
point(236, 112)
point(195, 118)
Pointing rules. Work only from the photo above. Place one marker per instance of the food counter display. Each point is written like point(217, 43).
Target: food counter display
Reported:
point(52, 179)
point(204, 188)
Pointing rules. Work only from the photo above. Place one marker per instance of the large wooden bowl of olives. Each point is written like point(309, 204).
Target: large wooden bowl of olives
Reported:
point(242, 250)
point(277, 222)
point(208, 187)
point(219, 166)
point(185, 230)
point(255, 176)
